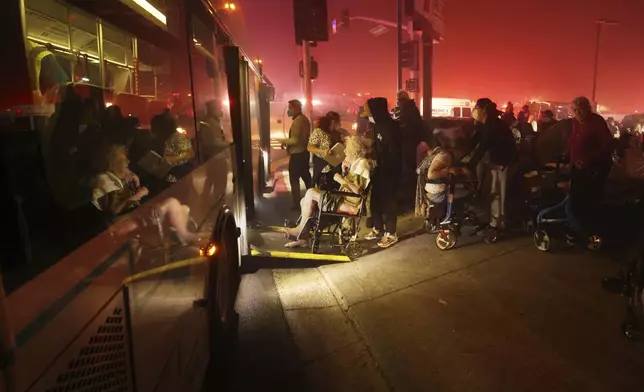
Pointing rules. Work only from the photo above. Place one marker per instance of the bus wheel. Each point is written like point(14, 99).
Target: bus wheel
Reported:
point(224, 320)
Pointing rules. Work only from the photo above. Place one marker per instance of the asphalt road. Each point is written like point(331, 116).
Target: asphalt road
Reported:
point(501, 317)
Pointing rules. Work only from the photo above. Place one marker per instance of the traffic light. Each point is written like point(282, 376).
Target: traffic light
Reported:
point(311, 20)
point(408, 55)
point(314, 69)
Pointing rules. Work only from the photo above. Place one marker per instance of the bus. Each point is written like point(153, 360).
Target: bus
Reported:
point(135, 135)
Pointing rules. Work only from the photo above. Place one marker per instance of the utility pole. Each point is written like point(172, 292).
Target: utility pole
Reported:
point(600, 25)
point(400, 36)
point(308, 93)
point(428, 59)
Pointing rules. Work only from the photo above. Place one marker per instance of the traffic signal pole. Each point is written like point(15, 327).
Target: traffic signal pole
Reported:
point(399, 28)
point(308, 93)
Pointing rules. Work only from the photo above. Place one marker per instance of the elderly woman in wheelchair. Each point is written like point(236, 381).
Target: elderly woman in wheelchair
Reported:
point(347, 204)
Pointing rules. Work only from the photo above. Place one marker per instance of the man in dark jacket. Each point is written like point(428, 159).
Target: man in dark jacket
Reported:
point(411, 128)
point(385, 181)
point(495, 139)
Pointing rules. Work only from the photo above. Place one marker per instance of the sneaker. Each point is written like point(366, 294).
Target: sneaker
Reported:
point(372, 235)
point(387, 240)
point(297, 244)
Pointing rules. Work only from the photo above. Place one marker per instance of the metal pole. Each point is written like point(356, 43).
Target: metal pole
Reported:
point(413, 73)
point(400, 39)
point(308, 93)
point(428, 58)
point(599, 33)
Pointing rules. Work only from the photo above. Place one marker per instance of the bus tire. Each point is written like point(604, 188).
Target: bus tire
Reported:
point(222, 291)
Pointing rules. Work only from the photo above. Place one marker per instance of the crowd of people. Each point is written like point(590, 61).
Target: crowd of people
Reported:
point(502, 147)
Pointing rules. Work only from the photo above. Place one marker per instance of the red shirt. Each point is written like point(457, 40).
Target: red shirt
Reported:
point(590, 141)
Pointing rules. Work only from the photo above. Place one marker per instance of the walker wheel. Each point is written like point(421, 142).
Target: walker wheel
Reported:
point(541, 240)
point(353, 250)
point(594, 243)
point(631, 331)
point(446, 239)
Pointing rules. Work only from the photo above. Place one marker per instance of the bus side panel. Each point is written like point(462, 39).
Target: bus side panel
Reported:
point(99, 358)
point(51, 330)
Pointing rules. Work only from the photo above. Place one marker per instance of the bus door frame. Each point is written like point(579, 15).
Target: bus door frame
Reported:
point(238, 91)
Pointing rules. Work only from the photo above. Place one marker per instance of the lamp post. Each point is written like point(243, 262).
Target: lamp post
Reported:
point(600, 25)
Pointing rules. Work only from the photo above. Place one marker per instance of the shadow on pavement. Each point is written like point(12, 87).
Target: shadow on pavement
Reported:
point(267, 358)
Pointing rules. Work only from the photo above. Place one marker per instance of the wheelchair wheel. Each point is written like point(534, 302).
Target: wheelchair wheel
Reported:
point(353, 250)
point(594, 243)
point(541, 240)
point(446, 239)
point(315, 245)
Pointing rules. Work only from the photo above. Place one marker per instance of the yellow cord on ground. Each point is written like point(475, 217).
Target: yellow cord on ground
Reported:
point(300, 256)
point(168, 267)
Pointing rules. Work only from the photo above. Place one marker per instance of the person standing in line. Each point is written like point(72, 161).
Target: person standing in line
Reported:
point(497, 140)
point(386, 179)
point(296, 146)
point(590, 148)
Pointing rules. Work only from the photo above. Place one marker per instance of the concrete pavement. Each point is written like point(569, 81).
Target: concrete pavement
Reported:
point(501, 317)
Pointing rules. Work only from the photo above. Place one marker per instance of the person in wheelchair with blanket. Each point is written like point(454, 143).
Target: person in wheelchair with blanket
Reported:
point(354, 180)
point(433, 180)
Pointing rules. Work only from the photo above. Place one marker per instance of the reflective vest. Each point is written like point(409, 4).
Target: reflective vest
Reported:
point(36, 55)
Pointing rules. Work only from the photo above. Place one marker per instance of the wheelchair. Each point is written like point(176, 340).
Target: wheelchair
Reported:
point(341, 227)
point(458, 214)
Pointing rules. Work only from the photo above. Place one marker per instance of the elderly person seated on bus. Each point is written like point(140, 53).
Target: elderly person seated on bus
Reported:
point(358, 175)
point(116, 191)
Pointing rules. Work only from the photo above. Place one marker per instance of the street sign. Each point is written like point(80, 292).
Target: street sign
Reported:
point(378, 30)
point(411, 85)
point(409, 55)
point(432, 11)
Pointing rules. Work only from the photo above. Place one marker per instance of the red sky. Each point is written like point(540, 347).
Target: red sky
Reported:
point(506, 51)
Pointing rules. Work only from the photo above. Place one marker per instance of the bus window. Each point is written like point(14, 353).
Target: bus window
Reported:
point(456, 112)
point(211, 91)
point(64, 162)
point(467, 112)
point(118, 55)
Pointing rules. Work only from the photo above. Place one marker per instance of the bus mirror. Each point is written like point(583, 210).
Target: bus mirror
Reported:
point(210, 68)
